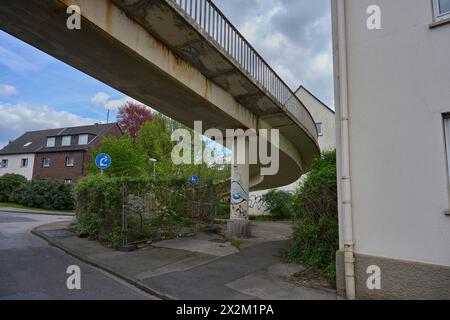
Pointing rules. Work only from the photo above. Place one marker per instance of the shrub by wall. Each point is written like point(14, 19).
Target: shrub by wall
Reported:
point(316, 238)
point(9, 183)
point(281, 204)
point(45, 194)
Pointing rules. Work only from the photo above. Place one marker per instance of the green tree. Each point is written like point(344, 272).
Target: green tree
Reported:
point(128, 160)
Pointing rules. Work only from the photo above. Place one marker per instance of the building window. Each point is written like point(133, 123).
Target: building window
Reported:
point(83, 139)
point(4, 163)
point(441, 9)
point(68, 182)
point(66, 141)
point(319, 129)
point(24, 163)
point(50, 142)
point(70, 161)
point(46, 162)
point(27, 144)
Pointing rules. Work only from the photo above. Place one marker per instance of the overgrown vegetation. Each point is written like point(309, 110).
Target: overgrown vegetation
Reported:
point(45, 194)
point(315, 238)
point(38, 193)
point(9, 183)
point(282, 205)
point(155, 209)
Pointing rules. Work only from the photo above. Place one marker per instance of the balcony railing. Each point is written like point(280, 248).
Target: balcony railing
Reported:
point(206, 14)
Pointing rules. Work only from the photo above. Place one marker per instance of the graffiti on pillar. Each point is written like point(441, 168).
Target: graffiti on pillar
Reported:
point(257, 202)
point(239, 198)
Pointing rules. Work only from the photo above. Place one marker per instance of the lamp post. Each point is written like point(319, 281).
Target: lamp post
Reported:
point(154, 167)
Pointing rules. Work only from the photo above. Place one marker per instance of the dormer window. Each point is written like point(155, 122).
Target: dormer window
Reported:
point(51, 142)
point(83, 139)
point(27, 144)
point(66, 141)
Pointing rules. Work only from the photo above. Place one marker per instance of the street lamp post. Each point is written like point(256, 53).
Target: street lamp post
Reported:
point(154, 167)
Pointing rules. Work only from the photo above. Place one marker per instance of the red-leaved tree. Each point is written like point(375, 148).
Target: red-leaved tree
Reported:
point(132, 116)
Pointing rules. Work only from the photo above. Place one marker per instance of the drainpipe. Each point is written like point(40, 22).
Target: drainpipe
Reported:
point(345, 181)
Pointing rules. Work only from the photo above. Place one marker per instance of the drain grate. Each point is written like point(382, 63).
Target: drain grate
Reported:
point(59, 233)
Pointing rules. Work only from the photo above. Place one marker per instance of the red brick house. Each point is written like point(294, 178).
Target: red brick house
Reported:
point(60, 154)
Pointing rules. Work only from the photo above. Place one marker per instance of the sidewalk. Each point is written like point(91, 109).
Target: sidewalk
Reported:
point(30, 211)
point(192, 268)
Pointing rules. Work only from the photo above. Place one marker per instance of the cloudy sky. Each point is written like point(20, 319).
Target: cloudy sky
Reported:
point(39, 92)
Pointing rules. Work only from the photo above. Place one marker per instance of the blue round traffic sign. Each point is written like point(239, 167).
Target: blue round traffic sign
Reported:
point(103, 161)
point(193, 180)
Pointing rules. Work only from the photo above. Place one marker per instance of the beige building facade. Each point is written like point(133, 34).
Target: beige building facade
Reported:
point(392, 85)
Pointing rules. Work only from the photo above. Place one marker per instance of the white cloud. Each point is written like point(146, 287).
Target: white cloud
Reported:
point(293, 36)
point(7, 90)
point(19, 118)
point(102, 99)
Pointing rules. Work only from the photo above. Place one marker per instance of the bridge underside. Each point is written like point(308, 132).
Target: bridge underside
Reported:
point(181, 75)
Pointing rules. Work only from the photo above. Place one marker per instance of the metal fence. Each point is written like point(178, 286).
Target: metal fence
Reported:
point(152, 212)
point(206, 14)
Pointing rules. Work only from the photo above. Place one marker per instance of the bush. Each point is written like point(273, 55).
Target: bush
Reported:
point(154, 209)
point(316, 238)
point(9, 183)
point(281, 204)
point(45, 194)
point(98, 209)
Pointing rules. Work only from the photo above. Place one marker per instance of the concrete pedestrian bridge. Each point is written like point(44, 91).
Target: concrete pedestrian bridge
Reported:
point(184, 58)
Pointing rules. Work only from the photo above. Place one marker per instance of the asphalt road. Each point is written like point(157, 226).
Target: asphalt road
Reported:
point(31, 269)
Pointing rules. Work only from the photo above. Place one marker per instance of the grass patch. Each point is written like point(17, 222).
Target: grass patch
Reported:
point(236, 243)
point(19, 206)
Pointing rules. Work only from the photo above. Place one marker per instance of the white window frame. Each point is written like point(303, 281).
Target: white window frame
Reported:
point(51, 142)
point(70, 163)
point(4, 163)
point(66, 141)
point(22, 161)
point(43, 162)
point(438, 16)
point(447, 146)
point(319, 132)
point(84, 137)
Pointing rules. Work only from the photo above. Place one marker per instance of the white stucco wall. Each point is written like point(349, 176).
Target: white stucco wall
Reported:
point(321, 114)
point(398, 90)
point(14, 162)
point(327, 142)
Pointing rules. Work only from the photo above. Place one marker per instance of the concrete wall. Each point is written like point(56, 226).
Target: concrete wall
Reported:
point(14, 165)
point(321, 114)
point(398, 90)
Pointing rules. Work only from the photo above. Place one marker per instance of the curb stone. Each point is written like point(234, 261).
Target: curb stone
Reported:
point(120, 275)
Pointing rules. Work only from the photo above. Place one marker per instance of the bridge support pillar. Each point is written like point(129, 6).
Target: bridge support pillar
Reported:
point(239, 224)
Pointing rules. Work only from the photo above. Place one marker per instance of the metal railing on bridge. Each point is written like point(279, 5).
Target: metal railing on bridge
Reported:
point(219, 28)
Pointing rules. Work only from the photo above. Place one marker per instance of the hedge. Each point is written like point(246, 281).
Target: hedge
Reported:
point(9, 183)
point(45, 194)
